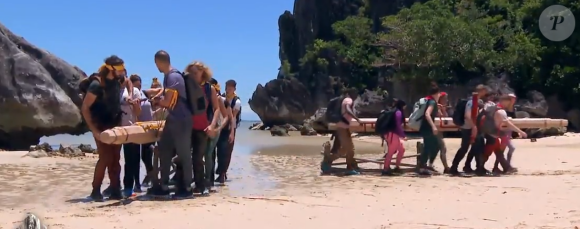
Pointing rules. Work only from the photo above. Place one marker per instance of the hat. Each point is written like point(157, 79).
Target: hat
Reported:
point(512, 95)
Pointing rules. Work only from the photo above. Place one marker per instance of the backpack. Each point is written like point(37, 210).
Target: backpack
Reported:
point(333, 112)
point(416, 118)
point(238, 117)
point(195, 97)
point(203, 119)
point(486, 120)
point(385, 122)
point(97, 111)
point(459, 113)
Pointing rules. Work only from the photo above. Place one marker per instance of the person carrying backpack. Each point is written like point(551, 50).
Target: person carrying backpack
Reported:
point(345, 115)
point(428, 130)
point(226, 141)
point(490, 122)
point(442, 105)
point(463, 117)
point(394, 136)
point(198, 76)
point(176, 135)
point(101, 109)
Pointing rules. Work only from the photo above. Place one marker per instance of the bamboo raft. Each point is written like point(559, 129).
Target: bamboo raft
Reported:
point(367, 125)
point(138, 133)
point(147, 132)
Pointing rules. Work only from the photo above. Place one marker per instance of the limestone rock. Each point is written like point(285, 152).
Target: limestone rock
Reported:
point(87, 148)
point(307, 130)
point(37, 154)
point(38, 93)
point(282, 102)
point(68, 151)
point(279, 131)
point(257, 126)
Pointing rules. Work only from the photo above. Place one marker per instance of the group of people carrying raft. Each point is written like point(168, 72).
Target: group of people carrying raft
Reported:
point(200, 127)
point(485, 130)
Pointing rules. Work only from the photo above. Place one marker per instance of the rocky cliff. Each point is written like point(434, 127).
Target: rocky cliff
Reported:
point(38, 93)
point(310, 20)
point(292, 98)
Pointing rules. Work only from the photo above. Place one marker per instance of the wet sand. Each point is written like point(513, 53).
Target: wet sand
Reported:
point(279, 186)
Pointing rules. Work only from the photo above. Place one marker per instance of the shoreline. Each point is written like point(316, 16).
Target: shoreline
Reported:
point(54, 189)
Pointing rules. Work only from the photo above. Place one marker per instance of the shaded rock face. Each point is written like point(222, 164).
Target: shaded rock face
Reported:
point(38, 93)
point(310, 20)
point(282, 101)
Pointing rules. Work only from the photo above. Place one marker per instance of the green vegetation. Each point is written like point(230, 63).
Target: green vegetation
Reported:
point(452, 40)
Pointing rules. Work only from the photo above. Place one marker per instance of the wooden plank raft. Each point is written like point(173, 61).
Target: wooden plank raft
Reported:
point(380, 161)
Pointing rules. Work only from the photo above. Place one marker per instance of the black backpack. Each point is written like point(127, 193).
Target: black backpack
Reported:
point(239, 116)
point(459, 113)
point(196, 95)
point(385, 122)
point(333, 112)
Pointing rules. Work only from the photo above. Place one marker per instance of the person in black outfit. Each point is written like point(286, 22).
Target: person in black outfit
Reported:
point(101, 110)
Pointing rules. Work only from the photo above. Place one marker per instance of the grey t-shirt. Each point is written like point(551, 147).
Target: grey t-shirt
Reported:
point(178, 109)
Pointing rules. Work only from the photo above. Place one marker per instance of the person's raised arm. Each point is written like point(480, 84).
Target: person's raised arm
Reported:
point(129, 87)
point(502, 118)
point(153, 92)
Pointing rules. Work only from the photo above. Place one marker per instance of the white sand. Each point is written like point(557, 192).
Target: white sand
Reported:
point(544, 194)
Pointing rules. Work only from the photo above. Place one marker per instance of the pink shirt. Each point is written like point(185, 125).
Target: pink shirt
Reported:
point(346, 102)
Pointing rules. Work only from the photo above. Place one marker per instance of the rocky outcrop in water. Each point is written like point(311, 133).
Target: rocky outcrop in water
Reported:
point(46, 150)
point(38, 93)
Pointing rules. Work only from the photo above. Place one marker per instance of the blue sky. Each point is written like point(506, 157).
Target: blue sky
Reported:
point(237, 39)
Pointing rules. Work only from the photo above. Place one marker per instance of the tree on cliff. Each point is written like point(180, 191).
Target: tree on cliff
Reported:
point(442, 39)
point(353, 47)
point(452, 41)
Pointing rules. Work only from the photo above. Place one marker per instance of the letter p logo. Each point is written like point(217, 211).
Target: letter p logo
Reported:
point(557, 23)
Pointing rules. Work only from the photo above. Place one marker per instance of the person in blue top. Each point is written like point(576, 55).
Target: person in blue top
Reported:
point(177, 130)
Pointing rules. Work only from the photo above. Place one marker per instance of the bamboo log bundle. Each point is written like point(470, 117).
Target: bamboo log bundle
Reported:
point(367, 125)
point(138, 133)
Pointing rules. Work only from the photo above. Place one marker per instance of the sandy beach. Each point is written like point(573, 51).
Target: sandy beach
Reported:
point(280, 187)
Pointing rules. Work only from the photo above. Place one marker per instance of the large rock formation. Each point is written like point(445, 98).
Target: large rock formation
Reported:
point(310, 20)
point(291, 99)
point(38, 93)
